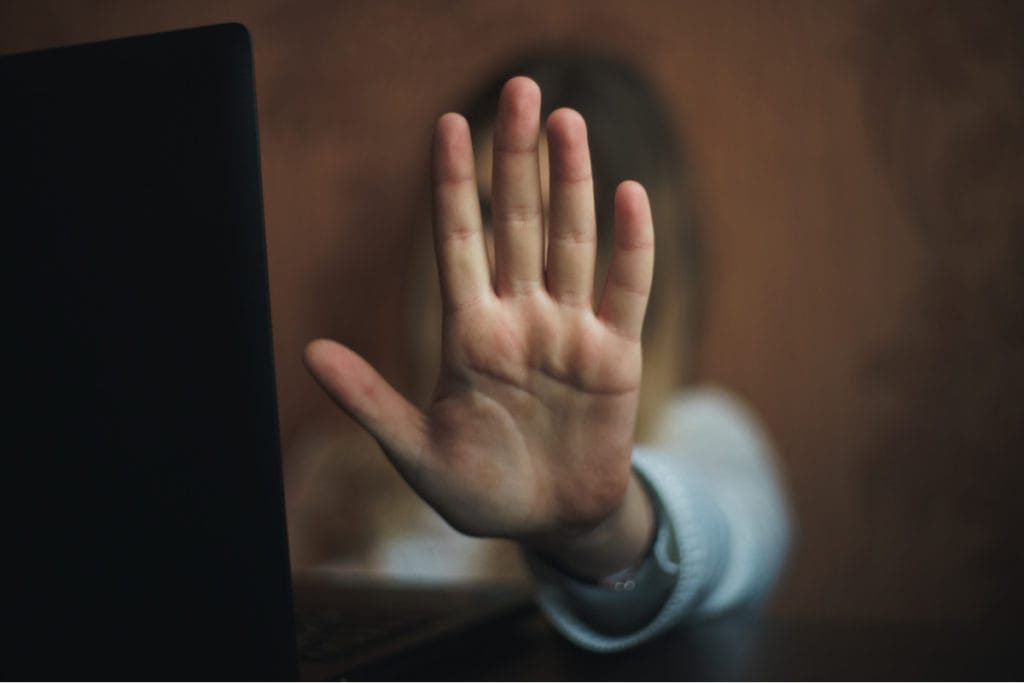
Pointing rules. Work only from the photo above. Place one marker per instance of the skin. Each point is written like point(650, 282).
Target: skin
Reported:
point(529, 433)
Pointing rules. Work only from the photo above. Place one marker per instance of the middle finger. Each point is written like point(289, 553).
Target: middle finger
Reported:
point(516, 204)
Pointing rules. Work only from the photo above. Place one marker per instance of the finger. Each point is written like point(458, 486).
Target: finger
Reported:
point(628, 285)
point(361, 392)
point(516, 206)
point(458, 229)
point(572, 230)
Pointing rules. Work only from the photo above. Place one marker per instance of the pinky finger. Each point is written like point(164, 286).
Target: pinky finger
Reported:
point(628, 285)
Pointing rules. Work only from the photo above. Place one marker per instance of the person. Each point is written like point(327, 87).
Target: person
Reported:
point(529, 432)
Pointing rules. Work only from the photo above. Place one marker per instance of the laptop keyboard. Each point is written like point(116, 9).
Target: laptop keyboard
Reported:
point(344, 623)
point(330, 634)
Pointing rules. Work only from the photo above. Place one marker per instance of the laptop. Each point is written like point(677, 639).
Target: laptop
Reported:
point(143, 514)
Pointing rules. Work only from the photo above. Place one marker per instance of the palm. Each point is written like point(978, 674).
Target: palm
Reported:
point(531, 425)
point(518, 382)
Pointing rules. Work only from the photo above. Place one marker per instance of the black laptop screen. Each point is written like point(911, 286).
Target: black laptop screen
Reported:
point(144, 518)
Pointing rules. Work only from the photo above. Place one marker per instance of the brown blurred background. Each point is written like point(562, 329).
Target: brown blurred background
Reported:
point(862, 187)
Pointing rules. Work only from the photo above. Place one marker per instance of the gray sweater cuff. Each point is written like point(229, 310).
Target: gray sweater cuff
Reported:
point(723, 532)
point(629, 606)
point(684, 559)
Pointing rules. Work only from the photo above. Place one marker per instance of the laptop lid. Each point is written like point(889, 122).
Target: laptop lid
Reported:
point(143, 526)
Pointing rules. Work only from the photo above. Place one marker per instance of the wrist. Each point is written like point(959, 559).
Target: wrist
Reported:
point(618, 543)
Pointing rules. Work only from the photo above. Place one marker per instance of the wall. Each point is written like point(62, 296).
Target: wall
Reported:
point(860, 173)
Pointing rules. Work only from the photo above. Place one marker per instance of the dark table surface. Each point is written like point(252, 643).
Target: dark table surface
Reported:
point(740, 646)
point(495, 632)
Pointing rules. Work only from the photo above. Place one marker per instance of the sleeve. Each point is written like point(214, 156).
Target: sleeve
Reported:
point(723, 530)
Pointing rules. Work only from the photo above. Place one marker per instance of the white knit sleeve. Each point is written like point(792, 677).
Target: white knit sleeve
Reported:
point(723, 530)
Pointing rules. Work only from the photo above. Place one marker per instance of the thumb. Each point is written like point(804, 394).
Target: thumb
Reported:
point(359, 390)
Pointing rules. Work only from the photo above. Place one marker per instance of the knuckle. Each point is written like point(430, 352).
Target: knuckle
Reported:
point(634, 243)
point(573, 237)
point(458, 233)
point(629, 285)
point(515, 213)
point(572, 297)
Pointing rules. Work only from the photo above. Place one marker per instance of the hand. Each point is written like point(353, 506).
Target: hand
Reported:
point(529, 434)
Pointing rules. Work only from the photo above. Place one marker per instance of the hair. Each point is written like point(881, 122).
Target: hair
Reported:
point(631, 136)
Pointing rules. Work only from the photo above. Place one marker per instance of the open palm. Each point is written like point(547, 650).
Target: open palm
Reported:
point(530, 429)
